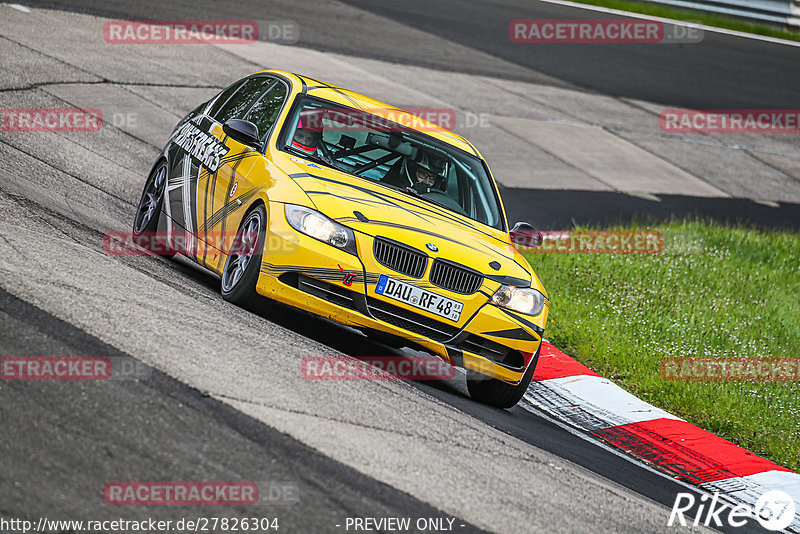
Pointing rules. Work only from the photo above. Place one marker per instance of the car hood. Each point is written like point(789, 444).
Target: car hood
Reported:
point(378, 210)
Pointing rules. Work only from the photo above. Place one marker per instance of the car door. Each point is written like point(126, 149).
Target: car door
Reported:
point(223, 194)
point(194, 151)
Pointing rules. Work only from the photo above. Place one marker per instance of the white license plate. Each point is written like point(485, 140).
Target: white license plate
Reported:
point(419, 298)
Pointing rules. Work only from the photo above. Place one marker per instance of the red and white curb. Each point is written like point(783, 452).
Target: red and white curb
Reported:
point(573, 393)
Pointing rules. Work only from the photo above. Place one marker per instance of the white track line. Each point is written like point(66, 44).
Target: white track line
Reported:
point(747, 489)
point(19, 7)
point(675, 22)
point(579, 432)
point(592, 402)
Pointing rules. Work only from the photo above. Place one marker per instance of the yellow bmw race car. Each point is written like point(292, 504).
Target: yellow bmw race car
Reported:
point(321, 198)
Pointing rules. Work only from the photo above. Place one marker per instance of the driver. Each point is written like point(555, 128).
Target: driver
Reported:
point(308, 135)
point(426, 174)
point(306, 140)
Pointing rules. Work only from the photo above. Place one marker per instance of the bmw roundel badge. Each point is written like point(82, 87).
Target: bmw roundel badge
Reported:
point(432, 247)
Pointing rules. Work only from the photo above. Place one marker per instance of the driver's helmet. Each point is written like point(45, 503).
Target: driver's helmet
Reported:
point(427, 174)
point(308, 134)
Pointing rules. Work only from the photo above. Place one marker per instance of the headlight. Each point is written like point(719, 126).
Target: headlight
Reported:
point(520, 299)
point(316, 225)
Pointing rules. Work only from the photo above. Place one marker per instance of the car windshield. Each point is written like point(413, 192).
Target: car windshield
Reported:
point(397, 155)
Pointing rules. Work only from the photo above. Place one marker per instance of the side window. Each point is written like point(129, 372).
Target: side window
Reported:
point(264, 112)
point(223, 97)
point(245, 96)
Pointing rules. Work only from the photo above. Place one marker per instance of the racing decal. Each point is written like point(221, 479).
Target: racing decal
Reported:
point(336, 275)
point(322, 85)
point(175, 183)
point(198, 155)
point(234, 158)
point(211, 185)
point(200, 145)
point(536, 328)
point(226, 210)
point(512, 333)
point(233, 189)
point(348, 277)
point(186, 192)
point(304, 162)
point(228, 182)
point(325, 273)
point(372, 278)
point(320, 273)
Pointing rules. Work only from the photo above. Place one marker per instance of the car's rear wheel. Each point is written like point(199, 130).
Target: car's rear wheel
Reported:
point(496, 392)
point(148, 212)
point(240, 274)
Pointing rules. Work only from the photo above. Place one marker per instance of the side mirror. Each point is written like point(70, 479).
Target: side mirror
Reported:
point(243, 131)
point(525, 235)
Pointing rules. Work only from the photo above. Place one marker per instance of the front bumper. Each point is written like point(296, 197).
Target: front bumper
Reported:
point(308, 274)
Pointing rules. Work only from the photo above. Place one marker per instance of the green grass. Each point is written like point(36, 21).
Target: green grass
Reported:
point(700, 17)
point(714, 292)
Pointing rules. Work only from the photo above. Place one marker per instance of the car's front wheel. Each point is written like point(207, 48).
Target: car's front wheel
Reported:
point(240, 274)
point(496, 392)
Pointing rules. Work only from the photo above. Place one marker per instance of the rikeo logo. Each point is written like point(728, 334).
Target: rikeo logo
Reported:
point(774, 510)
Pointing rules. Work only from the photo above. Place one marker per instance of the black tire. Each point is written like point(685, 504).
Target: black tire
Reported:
point(242, 267)
point(496, 392)
point(148, 212)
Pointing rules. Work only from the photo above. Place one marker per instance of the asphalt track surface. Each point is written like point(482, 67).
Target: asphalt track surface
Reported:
point(67, 440)
point(724, 72)
point(721, 72)
point(85, 436)
point(64, 441)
